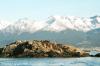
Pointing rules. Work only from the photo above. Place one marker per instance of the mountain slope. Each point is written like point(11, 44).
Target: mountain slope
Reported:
point(67, 29)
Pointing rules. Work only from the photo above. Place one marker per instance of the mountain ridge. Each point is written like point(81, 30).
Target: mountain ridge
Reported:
point(80, 31)
point(53, 23)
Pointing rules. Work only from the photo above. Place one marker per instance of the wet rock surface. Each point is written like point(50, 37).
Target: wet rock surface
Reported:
point(42, 48)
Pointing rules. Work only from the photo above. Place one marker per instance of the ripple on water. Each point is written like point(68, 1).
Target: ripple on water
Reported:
point(85, 61)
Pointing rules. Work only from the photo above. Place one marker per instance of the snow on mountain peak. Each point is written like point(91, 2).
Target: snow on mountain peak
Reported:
point(61, 23)
point(4, 24)
point(53, 23)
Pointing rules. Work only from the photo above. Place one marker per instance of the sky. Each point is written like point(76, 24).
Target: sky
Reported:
point(41, 9)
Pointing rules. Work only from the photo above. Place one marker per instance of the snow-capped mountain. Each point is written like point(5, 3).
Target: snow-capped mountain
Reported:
point(66, 29)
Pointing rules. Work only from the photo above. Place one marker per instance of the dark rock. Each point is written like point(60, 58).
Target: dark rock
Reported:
point(1, 49)
point(97, 55)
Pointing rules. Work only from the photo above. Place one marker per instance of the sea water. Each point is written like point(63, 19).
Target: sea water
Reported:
point(83, 61)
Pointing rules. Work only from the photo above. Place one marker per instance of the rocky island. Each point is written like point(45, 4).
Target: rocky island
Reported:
point(42, 48)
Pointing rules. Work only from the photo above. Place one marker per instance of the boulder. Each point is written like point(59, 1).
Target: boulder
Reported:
point(1, 49)
point(97, 55)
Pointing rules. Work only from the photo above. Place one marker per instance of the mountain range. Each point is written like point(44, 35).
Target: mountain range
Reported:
point(79, 31)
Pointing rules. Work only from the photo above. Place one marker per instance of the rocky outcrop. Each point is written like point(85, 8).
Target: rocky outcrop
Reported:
point(43, 48)
point(1, 49)
point(97, 55)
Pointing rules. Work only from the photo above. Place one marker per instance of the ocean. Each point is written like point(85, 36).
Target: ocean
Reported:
point(82, 61)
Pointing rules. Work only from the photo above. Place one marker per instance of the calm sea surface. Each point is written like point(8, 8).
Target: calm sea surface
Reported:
point(84, 61)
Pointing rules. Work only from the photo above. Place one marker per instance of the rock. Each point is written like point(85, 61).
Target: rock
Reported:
point(97, 55)
point(43, 48)
point(8, 49)
point(1, 49)
point(21, 48)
